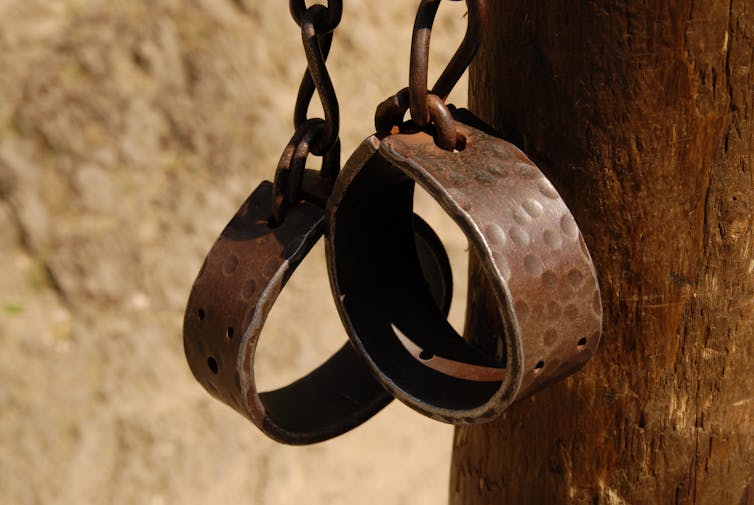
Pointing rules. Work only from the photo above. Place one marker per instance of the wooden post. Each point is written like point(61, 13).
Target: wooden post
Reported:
point(641, 113)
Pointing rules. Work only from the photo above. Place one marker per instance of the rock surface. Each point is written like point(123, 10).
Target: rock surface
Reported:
point(129, 134)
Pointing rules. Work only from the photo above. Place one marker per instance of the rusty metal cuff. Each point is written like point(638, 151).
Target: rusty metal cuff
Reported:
point(536, 317)
point(235, 290)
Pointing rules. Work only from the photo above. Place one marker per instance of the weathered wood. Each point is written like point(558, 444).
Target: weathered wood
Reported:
point(641, 112)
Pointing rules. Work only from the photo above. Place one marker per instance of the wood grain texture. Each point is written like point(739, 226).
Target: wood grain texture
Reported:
point(641, 113)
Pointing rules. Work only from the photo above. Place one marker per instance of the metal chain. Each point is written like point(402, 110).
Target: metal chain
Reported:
point(316, 136)
point(320, 137)
point(428, 107)
point(317, 24)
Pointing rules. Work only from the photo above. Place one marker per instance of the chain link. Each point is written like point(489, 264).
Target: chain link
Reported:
point(314, 29)
point(429, 107)
point(316, 136)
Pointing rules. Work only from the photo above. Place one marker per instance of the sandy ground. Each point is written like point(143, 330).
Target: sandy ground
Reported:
point(129, 134)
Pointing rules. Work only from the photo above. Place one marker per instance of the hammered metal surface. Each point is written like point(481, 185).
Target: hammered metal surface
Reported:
point(524, 227)
point(239, 282)
point(542, 301)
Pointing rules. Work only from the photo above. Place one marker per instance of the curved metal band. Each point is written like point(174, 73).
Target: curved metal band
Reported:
point(537, 313)
point(235, 290)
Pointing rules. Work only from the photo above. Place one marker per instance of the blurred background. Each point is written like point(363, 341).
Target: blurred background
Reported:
point(130, 132)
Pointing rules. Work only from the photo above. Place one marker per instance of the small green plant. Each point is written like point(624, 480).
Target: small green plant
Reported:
point(13, 308)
